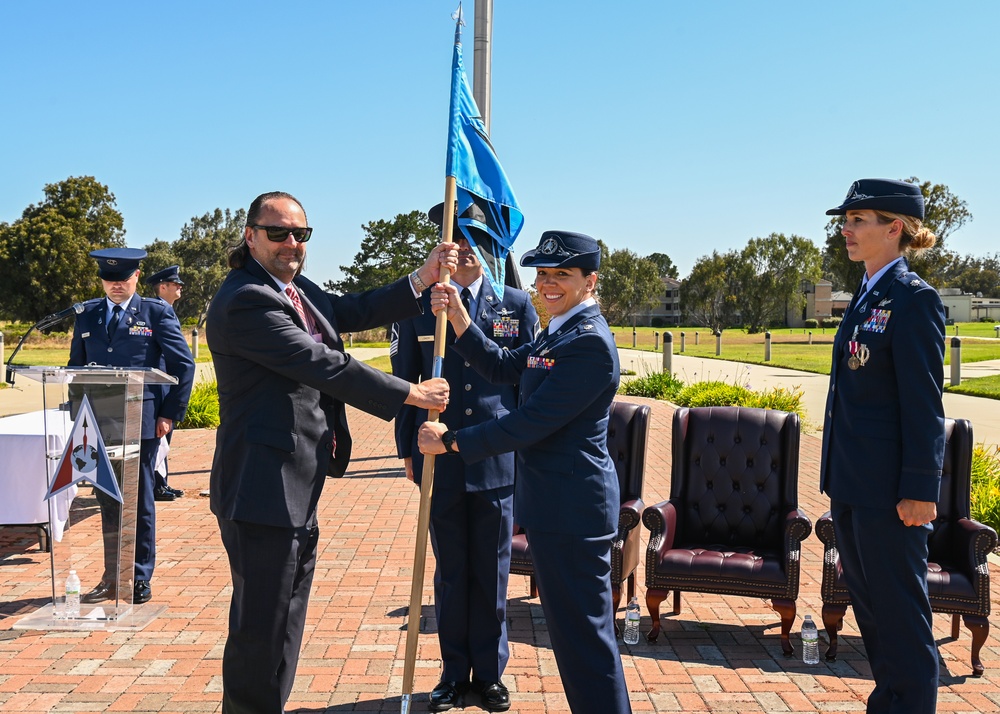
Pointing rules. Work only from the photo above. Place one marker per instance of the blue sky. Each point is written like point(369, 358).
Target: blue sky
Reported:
point(654, 125)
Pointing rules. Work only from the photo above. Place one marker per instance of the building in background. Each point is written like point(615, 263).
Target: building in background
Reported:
point(667, 311)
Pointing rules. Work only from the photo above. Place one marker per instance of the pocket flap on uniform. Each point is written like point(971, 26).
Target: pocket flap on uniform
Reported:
point(275, 438)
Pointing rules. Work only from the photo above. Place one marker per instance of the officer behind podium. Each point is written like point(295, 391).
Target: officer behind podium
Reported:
point(473, 506)
point(167, 285)
point(566, 495)
point(883, 441)
point(126, 330)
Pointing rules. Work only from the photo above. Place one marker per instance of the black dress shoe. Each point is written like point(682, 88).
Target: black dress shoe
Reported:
point(163, 494)
point(103, 591)
point(176, 491)
point(142, 592)
point(493, 696)
point(446, 695)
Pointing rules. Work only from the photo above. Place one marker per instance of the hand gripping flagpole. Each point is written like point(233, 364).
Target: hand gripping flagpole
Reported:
point(427, 475)
point(473, 174)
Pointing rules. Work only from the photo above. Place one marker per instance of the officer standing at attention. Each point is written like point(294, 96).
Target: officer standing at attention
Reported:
point(568, 377)
point(167, 285)
point(473, 506)
point(126, 330)
point(883, 441)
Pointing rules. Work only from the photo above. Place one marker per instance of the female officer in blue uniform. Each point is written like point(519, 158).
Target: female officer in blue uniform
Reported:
point(883, 441)
point(566, 494)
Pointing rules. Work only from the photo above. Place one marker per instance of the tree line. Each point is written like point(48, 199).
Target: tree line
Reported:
point(44, 266)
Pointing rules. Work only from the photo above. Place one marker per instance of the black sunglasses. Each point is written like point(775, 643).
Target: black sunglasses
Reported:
point(279, 234)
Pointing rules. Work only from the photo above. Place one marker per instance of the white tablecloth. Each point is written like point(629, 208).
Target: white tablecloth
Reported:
point(23, 476)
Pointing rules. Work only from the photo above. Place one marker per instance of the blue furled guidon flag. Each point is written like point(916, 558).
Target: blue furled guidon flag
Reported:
point(488, 214)
point(85, 458)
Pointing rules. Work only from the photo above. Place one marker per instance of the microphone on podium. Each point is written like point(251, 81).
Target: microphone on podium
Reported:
point(43, 324)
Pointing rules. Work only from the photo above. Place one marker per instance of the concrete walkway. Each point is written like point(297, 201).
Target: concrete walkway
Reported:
point(720, 654)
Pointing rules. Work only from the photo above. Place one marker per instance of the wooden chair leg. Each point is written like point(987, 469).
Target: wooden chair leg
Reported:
point(785, 608)
point(980, 629)
point(653, 599)
point(616, 601)
point(677, 602)
point(955, 631)
point(631, 586)
point(532, 588)
point(833, 620)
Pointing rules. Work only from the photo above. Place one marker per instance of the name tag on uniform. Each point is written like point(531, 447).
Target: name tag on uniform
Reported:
point(877, 320)
point(425, 338)
point(536, 362)
point(140, 331)
point(505, 327)
point(85, 335)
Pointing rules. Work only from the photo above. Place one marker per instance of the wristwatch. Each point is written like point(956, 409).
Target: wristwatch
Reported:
point(448, 439)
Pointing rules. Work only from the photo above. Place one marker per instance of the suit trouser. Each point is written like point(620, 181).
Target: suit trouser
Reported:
point(573, 574)
point(272, 570)
point(145, 519)
point(885, 568)
point(471, 534)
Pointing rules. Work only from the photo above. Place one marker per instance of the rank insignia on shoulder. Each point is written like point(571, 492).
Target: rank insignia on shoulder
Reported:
point(914, 283)
point(536, 362)
point(587, 326)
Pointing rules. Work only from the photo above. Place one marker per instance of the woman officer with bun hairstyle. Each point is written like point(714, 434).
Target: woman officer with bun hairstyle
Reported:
point(883, 441)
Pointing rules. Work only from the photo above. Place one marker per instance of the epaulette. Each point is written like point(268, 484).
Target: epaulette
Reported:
point(911, 280)
point(92, 301)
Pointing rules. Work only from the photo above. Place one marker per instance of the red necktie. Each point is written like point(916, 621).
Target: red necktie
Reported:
point(307, 320)
point(293, 295)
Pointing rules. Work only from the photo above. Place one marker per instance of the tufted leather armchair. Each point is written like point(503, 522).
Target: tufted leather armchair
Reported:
point(958, 575)
point(732, 524)
point(628, 429)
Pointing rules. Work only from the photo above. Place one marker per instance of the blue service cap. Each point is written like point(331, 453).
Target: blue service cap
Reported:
point(882, 195)
point(117, 263)
point(167, 275)
point(562, 249)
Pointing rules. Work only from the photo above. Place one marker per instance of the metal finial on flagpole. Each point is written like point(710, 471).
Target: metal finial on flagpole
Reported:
point(459, 23)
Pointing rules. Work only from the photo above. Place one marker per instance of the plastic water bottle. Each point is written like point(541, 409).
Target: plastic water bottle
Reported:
point(73, 595)
point(632, 616)
point(810, 642)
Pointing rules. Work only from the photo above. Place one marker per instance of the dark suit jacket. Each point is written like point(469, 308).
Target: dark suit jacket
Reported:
point(566, 481)
point(148, 335)
point(883, 436)
point(473, 399)
point(282, 394)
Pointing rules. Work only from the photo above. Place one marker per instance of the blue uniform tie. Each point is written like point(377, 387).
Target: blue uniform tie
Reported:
point(116, 316)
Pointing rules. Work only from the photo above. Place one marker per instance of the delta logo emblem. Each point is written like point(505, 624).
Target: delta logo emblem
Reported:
point(85, 458)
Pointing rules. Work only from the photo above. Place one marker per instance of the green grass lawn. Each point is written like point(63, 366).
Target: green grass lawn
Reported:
point(790, 348)
point(979, 387)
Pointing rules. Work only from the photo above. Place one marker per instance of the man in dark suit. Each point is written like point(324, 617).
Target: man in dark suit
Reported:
point(167, 286)
point(284, 379)
point(126, 330)
point(473, 505)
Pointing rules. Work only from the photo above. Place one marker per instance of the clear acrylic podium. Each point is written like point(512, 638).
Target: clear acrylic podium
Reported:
point(78, 541)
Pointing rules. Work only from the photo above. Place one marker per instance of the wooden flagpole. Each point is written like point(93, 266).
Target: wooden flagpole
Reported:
point(427, 475)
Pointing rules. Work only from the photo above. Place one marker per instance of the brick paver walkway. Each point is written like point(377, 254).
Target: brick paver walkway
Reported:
point(721, 654)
